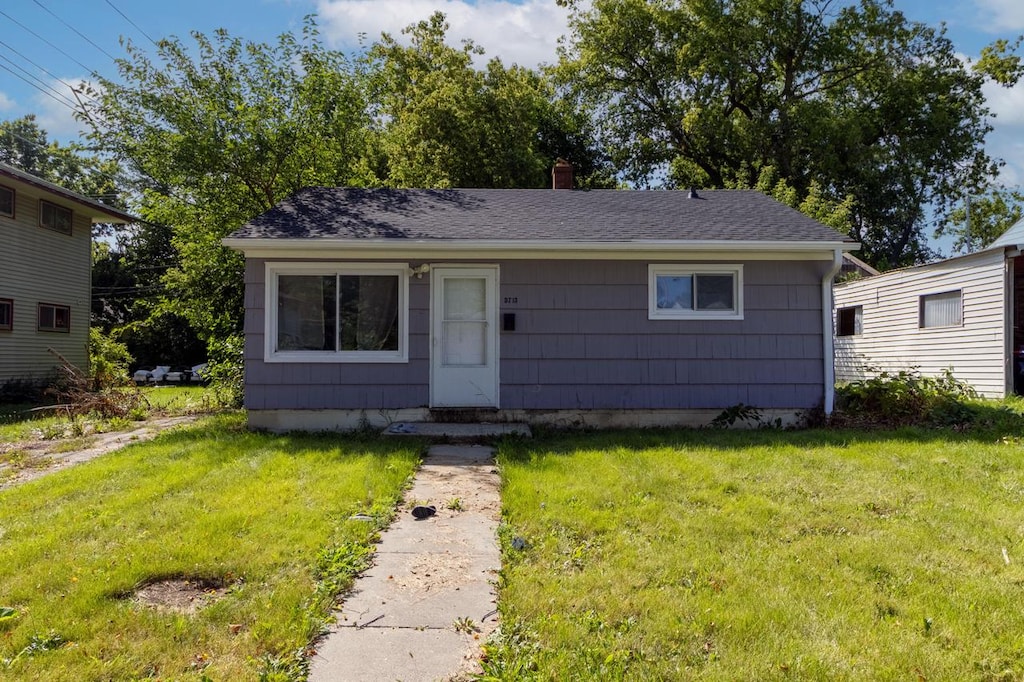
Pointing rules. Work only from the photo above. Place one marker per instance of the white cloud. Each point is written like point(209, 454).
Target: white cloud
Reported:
point(54, 114)
point(1001, 16)
point(6, 103)
point(526, 33)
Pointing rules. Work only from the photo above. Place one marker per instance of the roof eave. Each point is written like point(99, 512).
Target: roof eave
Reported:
point(112, 214)
point(285, 244)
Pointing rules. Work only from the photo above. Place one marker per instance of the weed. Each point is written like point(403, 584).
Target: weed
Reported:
point(466, 625)
point(454, 504)
point(744, 414)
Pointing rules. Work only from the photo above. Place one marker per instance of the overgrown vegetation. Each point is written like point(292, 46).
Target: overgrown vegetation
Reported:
point(909, 398)
point(761, 555)
point(266, 515)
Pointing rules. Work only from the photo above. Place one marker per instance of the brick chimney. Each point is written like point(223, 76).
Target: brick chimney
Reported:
point(561, 175)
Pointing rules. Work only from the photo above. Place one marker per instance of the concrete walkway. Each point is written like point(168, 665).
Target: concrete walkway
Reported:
point(423, 610)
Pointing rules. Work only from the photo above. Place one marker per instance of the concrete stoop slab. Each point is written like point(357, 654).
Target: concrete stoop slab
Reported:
point(423, 610)
point(456, 430)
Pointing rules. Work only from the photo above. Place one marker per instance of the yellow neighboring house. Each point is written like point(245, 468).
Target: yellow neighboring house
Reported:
point(45, 283)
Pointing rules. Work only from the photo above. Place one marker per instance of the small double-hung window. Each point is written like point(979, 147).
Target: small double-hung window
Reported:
point(53, 318)
point(54, 217)
point(695, 292)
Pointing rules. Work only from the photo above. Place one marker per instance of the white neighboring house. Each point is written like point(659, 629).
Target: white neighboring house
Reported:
point(964, 314)
point(45, 273)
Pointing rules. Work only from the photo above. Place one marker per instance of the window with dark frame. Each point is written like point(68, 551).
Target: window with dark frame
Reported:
point(53, 318)
point(850, 320)
point(54, 217)
point(941, 310)
point(6, 314)
point(6, 201)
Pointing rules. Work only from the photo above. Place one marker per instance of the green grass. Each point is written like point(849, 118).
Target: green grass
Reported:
point(762, 555)
point(265, 515)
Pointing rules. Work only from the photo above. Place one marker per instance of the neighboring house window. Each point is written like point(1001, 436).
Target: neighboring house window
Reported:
point(337, 313)
point(6, 201)
point(850, 321)
point(54, 318)
point(54, 217)
point(942, 310)
point(704, 292)
point(6, 314)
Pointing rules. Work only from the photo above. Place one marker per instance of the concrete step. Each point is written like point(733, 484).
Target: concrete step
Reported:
point(459, 432)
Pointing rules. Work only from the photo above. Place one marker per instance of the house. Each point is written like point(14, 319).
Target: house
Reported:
point(45, 262)
point(547, 306)
point(963, 314)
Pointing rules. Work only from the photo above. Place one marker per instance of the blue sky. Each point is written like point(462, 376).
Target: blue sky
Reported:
point(39, 46)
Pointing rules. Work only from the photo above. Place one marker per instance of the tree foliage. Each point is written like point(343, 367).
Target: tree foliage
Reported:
point(26, 146)
point(853, 97)
point(990, 215)
point(218, 136)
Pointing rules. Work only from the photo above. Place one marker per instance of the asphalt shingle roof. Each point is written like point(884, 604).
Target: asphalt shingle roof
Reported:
point(534, 214)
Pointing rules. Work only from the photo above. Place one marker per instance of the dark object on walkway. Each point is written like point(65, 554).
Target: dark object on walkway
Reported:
point(422, 512)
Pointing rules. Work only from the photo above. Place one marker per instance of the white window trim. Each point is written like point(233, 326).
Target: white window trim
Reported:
point(671, 269)
point(273, 270)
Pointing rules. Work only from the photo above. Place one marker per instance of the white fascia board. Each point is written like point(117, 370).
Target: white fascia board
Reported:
point(522, 249)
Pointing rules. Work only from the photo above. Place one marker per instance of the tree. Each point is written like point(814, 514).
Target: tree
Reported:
point(26, 146)
point(216, 137)
point(445, 123)
point(991, 214)
point(855, 98)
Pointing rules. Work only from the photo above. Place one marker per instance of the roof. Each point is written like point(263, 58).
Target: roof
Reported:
point(99, 212)
point(534, 215)
point(1013, 237)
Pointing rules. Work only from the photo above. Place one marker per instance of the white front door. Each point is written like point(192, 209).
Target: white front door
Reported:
point(464, 337)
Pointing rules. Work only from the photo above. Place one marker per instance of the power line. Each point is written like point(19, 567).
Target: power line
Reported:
point(131, 22)
point(45, 92)
point(82, 35)
point(43, 85)
point(46, 71)
point(46, 41)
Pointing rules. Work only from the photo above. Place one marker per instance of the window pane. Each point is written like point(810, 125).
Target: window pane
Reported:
point(7, 202)
point(714, 292)
point(6, 314)
point(848, 321)
point(465, 343)
point(369, 312)
point(465, 298)
point(46, 317)
point(942, 310)
point(306, 312)
point(675, 292)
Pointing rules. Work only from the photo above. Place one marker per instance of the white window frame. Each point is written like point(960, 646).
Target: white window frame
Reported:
point(274, 270)
point(13, 195)
point(921, 303)
point(654, 270)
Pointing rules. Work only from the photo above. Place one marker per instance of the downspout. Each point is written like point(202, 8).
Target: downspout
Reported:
point(826, 330)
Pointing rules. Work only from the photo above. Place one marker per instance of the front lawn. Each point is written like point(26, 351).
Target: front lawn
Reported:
point(261, 523)
point(763, 555)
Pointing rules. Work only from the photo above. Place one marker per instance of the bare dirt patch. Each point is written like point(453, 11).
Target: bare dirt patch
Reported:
point(179, 595)
point(27, 460)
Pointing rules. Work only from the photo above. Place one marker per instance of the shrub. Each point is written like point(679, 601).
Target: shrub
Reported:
point(905, 398)
point(225, 369)
point(108, 361)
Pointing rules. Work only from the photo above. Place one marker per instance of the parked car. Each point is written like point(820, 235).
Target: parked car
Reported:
point(186, 376)
point(151, 376)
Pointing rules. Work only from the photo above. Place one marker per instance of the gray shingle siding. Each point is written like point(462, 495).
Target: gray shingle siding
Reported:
point(583, 341)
